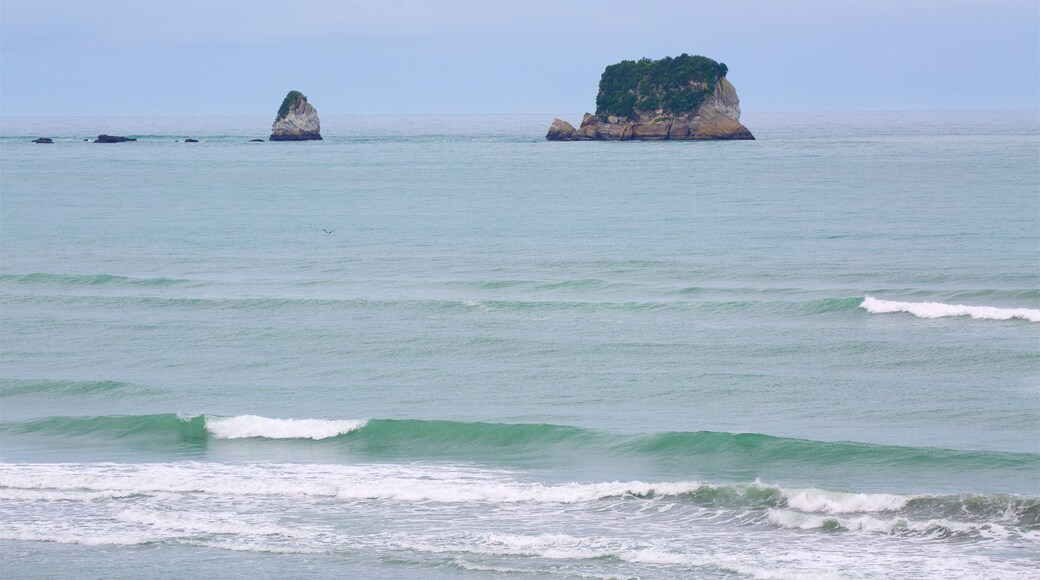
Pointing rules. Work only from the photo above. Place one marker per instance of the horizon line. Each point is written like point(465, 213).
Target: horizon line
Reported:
point(531, 114)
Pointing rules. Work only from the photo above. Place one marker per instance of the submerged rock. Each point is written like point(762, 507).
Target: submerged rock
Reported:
point(685, 98)
point(256, 140)
point(112, 139)
point(297, 120)
point(191, 140)
point(43, 140)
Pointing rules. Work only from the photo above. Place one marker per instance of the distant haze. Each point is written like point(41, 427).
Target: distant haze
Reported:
point(192, 57)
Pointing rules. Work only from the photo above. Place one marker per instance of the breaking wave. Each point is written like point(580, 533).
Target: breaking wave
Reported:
point(476, 440)
point(755, 503)
point(940, 310)
point(246, 426)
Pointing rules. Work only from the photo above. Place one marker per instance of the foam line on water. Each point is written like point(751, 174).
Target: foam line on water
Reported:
point(354, 482)
point(941, 310)
point(457, 484)
point(204, 523)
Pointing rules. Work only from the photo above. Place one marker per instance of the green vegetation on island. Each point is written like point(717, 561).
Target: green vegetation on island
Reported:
point(673, 86)
point(287, 104)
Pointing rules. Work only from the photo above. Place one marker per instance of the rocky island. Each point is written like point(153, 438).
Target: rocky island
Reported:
point(681, 98)
point(297, 120)
point(112, 139)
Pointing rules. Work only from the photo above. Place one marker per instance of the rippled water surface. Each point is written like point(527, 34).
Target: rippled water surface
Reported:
point(519, 358)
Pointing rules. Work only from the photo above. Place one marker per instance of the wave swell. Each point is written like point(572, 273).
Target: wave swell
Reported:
point(940, 310)
point(45, 388)
point(493, 441)
point(89, 280)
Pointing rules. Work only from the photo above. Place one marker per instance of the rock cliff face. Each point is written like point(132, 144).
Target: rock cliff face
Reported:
point(297, 120)
point(715, 117)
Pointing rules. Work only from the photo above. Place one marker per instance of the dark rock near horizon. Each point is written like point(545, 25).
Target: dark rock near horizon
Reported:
point(686, 98)
point(297, 120)
point(191, 140)
point(256, 140)
point(43, 140)
point(295, 138)
point(112, 139)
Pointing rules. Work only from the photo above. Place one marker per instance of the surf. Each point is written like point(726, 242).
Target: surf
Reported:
point(492, 441)
point(248, 426)
point(941, 310)
point(754, 503)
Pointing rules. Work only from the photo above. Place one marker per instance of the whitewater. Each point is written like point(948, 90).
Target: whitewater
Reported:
point(940, 310)
point(813, 355)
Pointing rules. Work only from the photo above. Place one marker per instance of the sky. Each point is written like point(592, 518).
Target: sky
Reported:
point(240, 57)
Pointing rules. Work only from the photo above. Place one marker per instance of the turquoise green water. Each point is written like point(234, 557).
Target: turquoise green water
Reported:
point(515, 357)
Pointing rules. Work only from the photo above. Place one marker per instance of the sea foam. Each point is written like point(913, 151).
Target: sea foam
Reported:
point(936, 528)
point(355, 482)
point(940, 310)
point(245, 426)
point(836, 502)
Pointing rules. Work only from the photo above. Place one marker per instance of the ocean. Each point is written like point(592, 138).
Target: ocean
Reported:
point(814, 355)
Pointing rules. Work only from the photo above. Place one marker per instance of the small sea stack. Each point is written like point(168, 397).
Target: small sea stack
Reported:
point(686, 98)
point(297, 120)
point(112, 139)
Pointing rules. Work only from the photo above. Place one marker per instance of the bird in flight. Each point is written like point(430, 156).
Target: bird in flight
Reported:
point(328, 232)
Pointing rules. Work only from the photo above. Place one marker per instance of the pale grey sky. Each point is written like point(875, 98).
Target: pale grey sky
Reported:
point(192, 57)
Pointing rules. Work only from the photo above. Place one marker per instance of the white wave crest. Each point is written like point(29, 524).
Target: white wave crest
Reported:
point(836, 502)
point(940, 310)
point(245, 426)
point(889, 526)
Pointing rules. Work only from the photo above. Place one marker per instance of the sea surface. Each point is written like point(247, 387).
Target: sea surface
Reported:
point(814, 355)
